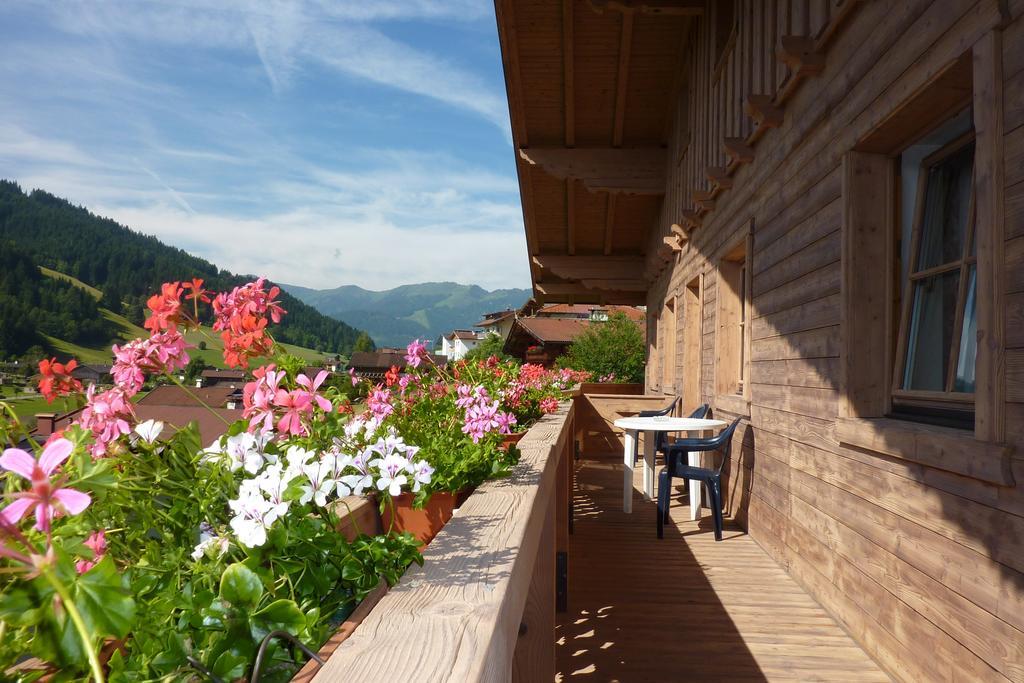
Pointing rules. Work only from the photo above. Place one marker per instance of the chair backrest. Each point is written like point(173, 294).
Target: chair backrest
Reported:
point(657, 413)
point(701, 412)
point(723, 443)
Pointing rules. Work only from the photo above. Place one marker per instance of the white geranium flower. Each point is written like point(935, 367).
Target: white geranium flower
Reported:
point(319, 482)
point(149, 431)
point(392, 473)
point(244, 451)
point(421, 471)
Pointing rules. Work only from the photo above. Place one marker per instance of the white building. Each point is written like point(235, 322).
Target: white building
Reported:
point(499, 323)
point(458, 343)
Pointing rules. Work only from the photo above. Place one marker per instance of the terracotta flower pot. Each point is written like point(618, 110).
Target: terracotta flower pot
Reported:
point(511, 439)
point(426, 522)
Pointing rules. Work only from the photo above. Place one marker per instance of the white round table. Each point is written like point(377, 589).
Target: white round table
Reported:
point(632, 426)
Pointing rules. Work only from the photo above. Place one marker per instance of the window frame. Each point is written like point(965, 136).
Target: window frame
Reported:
point(918, 398)
point(733, 394)
point(868, 304)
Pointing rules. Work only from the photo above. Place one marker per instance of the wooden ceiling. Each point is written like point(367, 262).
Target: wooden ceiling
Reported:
point(589, 85)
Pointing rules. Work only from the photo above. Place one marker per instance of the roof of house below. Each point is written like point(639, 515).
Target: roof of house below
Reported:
point(374, 360)
point(212, 422)
point(553, 330)
point(214, 396)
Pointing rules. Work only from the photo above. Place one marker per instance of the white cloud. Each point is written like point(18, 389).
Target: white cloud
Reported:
point(322, 250)
point(287, 35)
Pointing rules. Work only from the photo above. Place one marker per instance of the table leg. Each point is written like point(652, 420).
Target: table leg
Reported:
point(693, 459)
point(627, 471)
point(650, 439)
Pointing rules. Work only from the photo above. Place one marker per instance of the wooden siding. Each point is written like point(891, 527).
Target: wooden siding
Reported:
point(923, 566)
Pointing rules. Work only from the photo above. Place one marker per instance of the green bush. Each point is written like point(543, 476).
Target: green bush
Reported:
point(615, 348)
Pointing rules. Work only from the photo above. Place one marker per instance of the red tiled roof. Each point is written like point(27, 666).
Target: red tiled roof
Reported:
point(462, 334)
point(170, 395)
point(217, 373)
point(553, 330)
point(211, 425)
point(384, 360)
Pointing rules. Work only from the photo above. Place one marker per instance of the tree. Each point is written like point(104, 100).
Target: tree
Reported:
point(112, 299)
point(616, 346)
point(492, 345)
point(194, 368)
point(363, 343)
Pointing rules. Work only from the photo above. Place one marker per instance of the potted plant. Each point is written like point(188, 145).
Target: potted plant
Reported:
point(129, 550)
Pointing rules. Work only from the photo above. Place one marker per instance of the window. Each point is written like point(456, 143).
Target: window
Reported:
point(922, 269)
point(936, 348)
point(693, 324)
point(732, 369)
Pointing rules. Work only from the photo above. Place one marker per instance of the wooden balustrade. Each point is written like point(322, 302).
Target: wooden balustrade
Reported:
point(482, 607)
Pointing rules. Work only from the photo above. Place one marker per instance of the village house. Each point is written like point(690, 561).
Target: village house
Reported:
point(373, 365)
point(227, 376)
point(456, 344)
point(498, 322)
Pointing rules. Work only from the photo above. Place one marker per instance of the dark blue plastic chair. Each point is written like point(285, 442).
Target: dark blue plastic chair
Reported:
point(676, 466)
point(661, 440)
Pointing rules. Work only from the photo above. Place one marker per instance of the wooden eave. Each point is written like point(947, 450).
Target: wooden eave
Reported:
point(590, 86)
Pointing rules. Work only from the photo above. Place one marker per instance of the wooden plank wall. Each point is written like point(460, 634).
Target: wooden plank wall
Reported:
point(924, 567)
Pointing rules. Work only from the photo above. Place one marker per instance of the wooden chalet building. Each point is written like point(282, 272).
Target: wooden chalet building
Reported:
point(821, 205)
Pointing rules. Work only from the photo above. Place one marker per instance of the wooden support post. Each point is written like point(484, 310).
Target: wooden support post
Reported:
point(693, 218)
point(534, 658)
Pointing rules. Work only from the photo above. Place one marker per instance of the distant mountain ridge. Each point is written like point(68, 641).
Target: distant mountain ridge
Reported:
point(128, 266)
point(427, 310)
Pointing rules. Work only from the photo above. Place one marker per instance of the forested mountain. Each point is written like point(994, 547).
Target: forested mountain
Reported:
point(33, 305)
point(426, 310)
point(128, 266)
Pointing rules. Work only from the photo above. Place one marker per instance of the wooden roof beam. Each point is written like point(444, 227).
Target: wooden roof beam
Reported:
point(719, 177)
point(738, 150)
point(638, 170)
point(693, 218)
point(609, 221)
point(672, 242)
point(668, 8)
point(581, 267)
point(555, 292)
point(680, 232)
point(622, 78)
point(800, 55)
point(569, 85)
point(764, 113)
point(570, 215)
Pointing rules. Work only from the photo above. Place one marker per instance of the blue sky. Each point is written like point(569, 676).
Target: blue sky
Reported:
point(317, 142)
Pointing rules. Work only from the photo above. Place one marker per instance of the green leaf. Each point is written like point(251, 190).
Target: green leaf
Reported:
point(280, 615)
point(106, 605)
point(240, 586)
point(229, 666)
point(17, 608)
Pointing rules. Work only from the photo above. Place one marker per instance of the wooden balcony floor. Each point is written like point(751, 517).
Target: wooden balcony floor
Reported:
point(686, 608)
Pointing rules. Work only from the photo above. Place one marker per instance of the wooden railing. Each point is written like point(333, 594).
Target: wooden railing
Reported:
point(482, 607)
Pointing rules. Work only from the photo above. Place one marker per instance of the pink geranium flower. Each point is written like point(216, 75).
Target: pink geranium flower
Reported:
point(97, 543)
point(312, 386)
point(296, 405)
point(49, 501)
point(379, 402)
point(107, 415)
point(162, 352)
point(258, 398)
point(415, 353)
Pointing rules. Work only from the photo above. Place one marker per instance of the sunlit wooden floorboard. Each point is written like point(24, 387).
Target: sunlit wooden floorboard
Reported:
point(686, 608)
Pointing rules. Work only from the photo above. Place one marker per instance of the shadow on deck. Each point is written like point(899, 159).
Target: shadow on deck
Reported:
point(685, 608)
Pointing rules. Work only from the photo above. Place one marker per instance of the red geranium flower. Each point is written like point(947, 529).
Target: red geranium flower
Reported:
point(166, 307)
point(391, 376)
point(197, 291)
point(57, 379)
